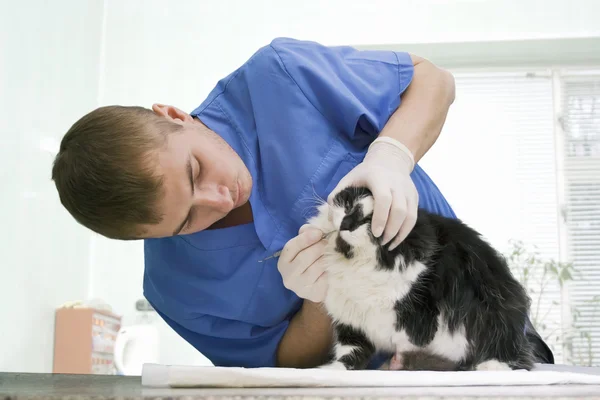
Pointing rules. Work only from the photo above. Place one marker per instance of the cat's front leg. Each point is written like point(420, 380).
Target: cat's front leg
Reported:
point(352, 349)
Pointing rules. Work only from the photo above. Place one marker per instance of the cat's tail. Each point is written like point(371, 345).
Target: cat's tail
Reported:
point(539, 348)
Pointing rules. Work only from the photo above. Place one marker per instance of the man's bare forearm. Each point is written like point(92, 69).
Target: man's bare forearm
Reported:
point(418, 121)
point(308, 338)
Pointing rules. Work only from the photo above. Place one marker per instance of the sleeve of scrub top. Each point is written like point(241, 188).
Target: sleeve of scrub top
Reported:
point(350, 87)
point(228, 343)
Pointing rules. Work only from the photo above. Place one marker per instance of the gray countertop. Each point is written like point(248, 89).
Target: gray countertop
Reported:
point(98, 387)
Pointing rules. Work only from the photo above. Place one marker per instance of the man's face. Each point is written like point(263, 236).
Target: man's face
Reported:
point(203, 178)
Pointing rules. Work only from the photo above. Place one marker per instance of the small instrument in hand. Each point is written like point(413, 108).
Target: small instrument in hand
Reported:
point(278, 253)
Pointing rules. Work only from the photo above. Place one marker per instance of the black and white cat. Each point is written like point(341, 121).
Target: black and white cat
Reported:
point(443, 293)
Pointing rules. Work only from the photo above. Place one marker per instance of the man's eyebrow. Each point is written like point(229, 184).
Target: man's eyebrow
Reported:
point(191, 180)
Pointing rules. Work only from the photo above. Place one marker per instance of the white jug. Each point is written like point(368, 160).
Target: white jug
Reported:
point(135, 345)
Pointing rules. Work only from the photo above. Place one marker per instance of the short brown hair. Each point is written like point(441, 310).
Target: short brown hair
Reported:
point(105, 171)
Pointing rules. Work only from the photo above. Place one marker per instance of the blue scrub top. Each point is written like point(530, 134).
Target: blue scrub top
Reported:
point(301, 116)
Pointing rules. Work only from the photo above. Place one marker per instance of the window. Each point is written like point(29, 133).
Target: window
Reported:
point(519, 160)
point(579, 122)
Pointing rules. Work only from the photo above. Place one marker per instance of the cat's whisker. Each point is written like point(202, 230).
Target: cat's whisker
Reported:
point(312, 209)
point(317, 197)
point(318, 200)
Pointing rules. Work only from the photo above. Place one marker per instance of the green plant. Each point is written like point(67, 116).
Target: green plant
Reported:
point(539, 276)
point(583, 354)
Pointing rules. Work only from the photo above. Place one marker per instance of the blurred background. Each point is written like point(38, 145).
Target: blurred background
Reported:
point(519, 157)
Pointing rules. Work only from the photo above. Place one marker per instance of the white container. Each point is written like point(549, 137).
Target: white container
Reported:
point(136, 345)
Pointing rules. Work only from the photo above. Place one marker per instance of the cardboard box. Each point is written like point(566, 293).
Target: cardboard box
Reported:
point(84, 341)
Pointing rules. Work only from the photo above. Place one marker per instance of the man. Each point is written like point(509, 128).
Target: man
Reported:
point(215, 191)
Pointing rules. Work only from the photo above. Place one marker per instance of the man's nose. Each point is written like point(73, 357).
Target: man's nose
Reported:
point(216, 197)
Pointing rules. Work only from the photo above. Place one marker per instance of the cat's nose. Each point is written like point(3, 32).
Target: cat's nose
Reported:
point(346, 224)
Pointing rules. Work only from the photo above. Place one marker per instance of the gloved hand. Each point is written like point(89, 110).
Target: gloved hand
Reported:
point(386, 172)
point(301, 266)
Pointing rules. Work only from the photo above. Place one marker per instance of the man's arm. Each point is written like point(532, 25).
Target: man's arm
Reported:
point(307, 339)
point(417, 124)
point(406, 136)
point(419, 119)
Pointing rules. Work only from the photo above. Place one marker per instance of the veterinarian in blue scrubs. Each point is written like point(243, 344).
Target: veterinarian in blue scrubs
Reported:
point(301, 116)
point(293, 124)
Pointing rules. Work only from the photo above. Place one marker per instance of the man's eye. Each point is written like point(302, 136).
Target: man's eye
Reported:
point(198, 171)
point(187, 225)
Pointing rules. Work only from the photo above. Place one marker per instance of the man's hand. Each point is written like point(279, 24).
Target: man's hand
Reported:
point(301, 267)
point(413, 128)
point(386, 172)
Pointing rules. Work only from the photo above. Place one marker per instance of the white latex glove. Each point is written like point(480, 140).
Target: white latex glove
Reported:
point(386, 172)
point(301, 266)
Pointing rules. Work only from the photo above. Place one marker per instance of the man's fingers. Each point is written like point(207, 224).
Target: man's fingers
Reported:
point(294, 246)
point(312, 273)
point(318, 290)
point(408, 224)
point(307, 257)
point(304, 228)
point(396, 218)
point(381, 209)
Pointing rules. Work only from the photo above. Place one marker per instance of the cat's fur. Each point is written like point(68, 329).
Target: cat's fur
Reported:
point(443, 295)
point(418, 360)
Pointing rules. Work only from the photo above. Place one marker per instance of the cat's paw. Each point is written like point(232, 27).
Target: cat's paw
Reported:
point(336, 365)
point(493, 365)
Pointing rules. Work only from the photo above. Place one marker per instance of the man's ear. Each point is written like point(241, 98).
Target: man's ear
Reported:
point(171, 112)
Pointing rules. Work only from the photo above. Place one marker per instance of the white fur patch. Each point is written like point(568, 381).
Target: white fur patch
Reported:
point(361, 296)
point(323, 220)
point(337, 215)
point(343, 350)
point(493, 365)
point(339, 351)
point(358, 238)
point(367, 205)
point(336, 365)
point(453, 346)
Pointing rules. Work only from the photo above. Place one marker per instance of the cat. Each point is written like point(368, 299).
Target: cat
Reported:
point(444, 295)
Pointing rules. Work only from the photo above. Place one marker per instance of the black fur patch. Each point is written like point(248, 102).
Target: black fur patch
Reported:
point(353, 219)
point(349, 199)
point(350, 196)
point(343, 247)
point(363, 348)
point(424, 361)
point(417, 312)
point(386, 260)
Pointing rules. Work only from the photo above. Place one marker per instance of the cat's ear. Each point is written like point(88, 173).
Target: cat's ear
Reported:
point(171, 112)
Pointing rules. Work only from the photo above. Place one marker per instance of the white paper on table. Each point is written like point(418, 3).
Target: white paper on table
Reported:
point(155, 375)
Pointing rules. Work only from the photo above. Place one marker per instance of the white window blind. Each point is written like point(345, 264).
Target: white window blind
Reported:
point(495, 162)
point(580, 127)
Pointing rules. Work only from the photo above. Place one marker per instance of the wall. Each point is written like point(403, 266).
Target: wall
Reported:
point(49, 62)
point(174, 52)
point(57, 63)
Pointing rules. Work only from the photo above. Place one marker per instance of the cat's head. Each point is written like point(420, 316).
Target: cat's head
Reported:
point(349, 219)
